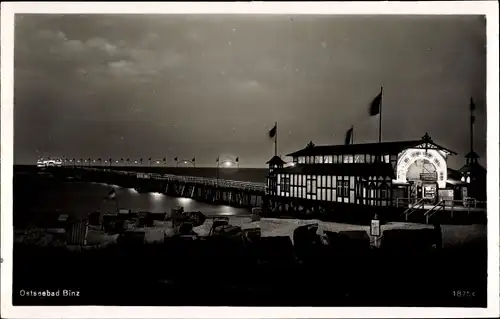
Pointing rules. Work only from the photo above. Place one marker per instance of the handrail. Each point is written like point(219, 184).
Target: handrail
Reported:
point(428, 214)
point(193, 179)
point(414, 207)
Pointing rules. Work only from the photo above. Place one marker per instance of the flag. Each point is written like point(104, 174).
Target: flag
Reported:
point(164, 159)
point(99, 159)
point(140, 160)
point(112, 194)
point(175, 159)
point(217, 160)
point(193, 160)
point(128, 159)
point(348, 136)
point(472, 105)
point(272, 132)
point(375, 106)
point(150, 159)
point(237, 159)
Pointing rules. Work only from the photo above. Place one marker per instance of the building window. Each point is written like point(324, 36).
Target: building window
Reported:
point(342, 188)
point(335, 159)
point(359, 159)
point(441, 176)
point(285, 184)
point(384, 191)
point(328, 159)
point(348, 159)
point(311, 185)
point(319, 160)
point(301, 159)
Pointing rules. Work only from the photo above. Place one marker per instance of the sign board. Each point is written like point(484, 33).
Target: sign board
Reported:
point(428, 177)
point(375, 227)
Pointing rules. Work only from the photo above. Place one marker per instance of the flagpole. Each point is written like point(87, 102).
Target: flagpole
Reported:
point(352, 134)
point(380, 118)
point(276, 139)
point(471, 120)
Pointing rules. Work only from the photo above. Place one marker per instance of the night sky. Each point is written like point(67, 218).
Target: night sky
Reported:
point(199, 86)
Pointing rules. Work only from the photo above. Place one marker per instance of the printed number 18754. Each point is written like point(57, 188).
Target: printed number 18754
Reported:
point(463, 293)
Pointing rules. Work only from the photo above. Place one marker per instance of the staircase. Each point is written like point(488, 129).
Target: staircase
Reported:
point(434, 210)
point(419, 205)
point(444, 212)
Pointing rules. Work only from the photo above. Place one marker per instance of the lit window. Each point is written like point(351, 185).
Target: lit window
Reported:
point(318, 159)
point(342, 188)
point(348, 159)
point(359, 159)
point(311, 185)
point(285, 184)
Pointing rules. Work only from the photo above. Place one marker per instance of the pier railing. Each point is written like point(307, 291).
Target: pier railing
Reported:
point(214, 182)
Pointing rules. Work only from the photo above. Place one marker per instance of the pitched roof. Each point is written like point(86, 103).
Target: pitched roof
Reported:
point(347, 169)
point(275, 160)
point(367, 148)
point(472, 155)
point(474, 169)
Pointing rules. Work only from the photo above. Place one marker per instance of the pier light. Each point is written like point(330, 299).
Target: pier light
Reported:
point(157, 162)
point(463, 179)
point(136, 162)
point(468, 179)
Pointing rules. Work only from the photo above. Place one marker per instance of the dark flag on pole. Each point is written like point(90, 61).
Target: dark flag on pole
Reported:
point(375, 105)
point(237, 159)
point(272, 132)
point(176, 159)
point(472, 107)
point(193, 160)
point(348, 136)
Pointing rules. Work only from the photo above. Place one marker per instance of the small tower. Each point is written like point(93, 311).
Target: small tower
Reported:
point(274, 163)
point(472, 172)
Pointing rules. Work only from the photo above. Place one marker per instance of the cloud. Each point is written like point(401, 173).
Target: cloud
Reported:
point(249, 86)
point(94, 57)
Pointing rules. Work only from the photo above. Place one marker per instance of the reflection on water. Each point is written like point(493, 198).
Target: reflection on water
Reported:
point(83, 198)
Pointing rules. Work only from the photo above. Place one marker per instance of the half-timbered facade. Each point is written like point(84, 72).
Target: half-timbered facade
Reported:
point(375, 174)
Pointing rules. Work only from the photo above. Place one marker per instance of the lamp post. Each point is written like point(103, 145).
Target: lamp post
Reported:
point(192, 162)
point(226, 162)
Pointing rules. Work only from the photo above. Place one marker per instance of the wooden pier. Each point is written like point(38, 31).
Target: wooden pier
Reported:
point(209, 190)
